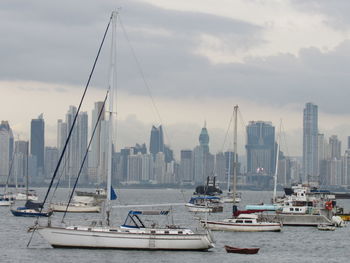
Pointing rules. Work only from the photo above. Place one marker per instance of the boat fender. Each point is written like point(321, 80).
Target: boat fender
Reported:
point(329, 205)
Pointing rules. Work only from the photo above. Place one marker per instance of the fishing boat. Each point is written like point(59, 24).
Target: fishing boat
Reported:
point(205, 204)
point(239, 250)
point(243, 223)
point(133, 235)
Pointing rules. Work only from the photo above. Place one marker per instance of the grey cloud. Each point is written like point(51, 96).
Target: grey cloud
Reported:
point(58, 42)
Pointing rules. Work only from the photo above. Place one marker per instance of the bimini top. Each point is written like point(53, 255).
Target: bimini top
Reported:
point(134, 221)
point(149, 212)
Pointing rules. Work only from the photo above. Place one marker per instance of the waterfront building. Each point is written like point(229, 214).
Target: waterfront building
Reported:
point(37, 143)
point(159, 168)
point(310, 143)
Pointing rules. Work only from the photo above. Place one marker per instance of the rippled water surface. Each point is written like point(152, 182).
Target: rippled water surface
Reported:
point(293, 244)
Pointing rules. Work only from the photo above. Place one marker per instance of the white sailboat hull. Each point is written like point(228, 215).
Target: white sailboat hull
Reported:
point(203, 209)
point(6, 203)
point(23, 197)
point(230, 200)
point(258, 227)
point(118, 239)
point(75, 208)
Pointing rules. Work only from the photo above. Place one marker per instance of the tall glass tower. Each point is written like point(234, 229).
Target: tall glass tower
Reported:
point(261, 154)
point(37, 141)
point(310, 143)
point(156, 144)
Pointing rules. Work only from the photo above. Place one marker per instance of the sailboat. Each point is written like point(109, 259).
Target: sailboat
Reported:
point(30, 209)
point(137, 236)
point(7, 199)
point(243, 222)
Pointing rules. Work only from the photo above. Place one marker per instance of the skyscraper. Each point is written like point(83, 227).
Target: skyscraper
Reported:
point(186, 167)
point(261, 147)
point(94, 161)
point(203, 161)
point(37, 142)
point(156, 144)
point(310, 143)
point(6, 149)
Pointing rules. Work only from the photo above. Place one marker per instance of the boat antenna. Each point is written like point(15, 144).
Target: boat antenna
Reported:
point(276, 166)
point(72, 127)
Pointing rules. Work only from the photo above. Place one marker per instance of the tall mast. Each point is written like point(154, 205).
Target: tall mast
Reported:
point(27, 174)
point(112, 88)
point(276, 167)
point(234, 181)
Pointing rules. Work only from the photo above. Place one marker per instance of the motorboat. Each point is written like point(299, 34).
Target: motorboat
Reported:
point(205, 204)
point(243, 223)
point(6, 200)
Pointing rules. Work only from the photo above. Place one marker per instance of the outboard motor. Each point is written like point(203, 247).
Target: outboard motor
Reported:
point(337, 221)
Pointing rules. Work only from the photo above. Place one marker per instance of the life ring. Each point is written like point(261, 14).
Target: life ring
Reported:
point(329, 205)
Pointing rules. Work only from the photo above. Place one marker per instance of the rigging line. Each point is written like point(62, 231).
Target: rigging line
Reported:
point(227, 132)
point(73, 125)
point(59, 178)
point(86, 154)
point(243, 123)
point(143, 77)
point(285, 138)
point(10, 171)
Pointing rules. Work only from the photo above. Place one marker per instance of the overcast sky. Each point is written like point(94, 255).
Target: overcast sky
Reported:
point(199, 57)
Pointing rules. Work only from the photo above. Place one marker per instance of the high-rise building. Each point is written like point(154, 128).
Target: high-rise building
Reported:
point(20, 161)
point(261, 148)
point(51, 159)
point(134, 168)
point(186, 167)
point(94, 160)
point(37, 142)
point(156, 144)
point(335, 147)
point(72, 149)
point(310, 143)
point(82, 127)
point(61, 134)
point(204, 162)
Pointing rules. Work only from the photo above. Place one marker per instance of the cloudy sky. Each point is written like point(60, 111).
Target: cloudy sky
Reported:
point(199, 58)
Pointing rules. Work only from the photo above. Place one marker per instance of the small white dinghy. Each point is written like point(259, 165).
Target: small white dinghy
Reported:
point(324, 227)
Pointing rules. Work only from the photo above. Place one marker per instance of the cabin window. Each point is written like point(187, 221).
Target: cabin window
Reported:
point(89, 229)
point(166, 232)
point(249, 221)
point(239, 221)
point(296, 209)
point(75, 228)
point(180, 232)
point(291, 209)
point(153, 232)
